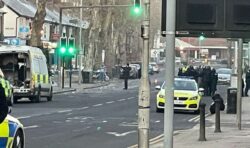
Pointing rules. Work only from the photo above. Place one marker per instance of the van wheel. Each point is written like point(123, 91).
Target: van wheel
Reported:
point(51, 95)
point(37, 98)
point(15, 99)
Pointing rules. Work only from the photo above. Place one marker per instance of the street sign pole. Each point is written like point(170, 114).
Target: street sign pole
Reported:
point(170, 73)
point(144, 91)
point(239, 84)
point(80, 48)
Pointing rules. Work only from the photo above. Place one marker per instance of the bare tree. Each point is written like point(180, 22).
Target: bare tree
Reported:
point(37, 25)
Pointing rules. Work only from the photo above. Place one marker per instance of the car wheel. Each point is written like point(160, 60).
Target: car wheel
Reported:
point(49, 98)
point(18, 140)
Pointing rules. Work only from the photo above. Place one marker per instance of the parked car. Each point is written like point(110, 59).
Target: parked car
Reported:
point(155, 67)
point(133, 74)
point(150, 69)
point(224, 75)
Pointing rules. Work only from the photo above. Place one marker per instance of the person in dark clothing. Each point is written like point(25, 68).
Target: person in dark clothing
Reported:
point(212, 106)
point(247, 82)
point(126, 75)
point(205, 80)
point(180, 72)
point(243, 85)
point(213, 80)
point(3, 105)
point(139, 73)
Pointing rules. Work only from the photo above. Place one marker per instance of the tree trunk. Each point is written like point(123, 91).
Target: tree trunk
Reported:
point(37, 25)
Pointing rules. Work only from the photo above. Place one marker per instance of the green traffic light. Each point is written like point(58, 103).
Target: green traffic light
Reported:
point(136, 10)
point(63, 49)
point(71, 50)
point(201, 38)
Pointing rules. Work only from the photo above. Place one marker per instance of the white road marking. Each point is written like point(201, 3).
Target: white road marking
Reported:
point(121, 134)
point(196, 120)
point(110, 102)
point(158, 121)
point(30, 127)
point(82, 108)
point(122, 100)
point(97, 105)
point(65, 111)
point(133, 124)
point(190, 120)
point(24, 117)
point(130, 98)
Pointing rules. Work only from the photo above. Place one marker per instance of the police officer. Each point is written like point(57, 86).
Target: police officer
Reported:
point(247, 82)
point(3, 102)
point(126, 75)
point(213, 80)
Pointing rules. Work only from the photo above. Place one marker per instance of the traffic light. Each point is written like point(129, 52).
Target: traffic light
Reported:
point(71, 47)
point(63, 46)
point(137, 10)
point(201, 37)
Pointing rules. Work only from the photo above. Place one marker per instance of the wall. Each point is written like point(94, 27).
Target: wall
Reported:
point(9, 24)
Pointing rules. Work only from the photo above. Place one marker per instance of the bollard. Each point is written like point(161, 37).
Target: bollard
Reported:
point(217, 116)
point(202, 122)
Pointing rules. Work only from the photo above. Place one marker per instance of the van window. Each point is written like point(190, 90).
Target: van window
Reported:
point(43, 67)
point(36, 65)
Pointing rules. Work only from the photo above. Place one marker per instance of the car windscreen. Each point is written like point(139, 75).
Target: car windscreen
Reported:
point(183, 85)
point(224, 71)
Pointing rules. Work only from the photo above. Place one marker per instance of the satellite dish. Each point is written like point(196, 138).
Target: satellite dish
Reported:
point(1, 4)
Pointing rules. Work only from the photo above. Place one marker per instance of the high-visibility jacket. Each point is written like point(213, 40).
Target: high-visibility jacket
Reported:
point(7, 133)
point(184, 69)
point(6, 85)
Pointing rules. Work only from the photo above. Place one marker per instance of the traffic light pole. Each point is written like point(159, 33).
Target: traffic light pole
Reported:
point(170, 73)
point(144, 91)
point(81, 49)
point(70, 73)
point(62, 69)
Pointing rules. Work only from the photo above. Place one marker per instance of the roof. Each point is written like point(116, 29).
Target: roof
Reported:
point(11, 48)
point(27, 9)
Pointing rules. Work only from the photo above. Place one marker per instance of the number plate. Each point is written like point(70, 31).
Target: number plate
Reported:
point(178, 102)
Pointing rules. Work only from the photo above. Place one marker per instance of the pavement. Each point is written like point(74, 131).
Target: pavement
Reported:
point(230, 137)
point(79, 87)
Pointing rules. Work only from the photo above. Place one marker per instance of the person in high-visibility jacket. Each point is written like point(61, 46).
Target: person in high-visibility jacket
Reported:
point(3, 101)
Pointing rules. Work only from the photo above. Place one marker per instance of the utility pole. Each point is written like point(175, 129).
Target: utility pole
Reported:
point(81, 49)
point(170, 73)
point(144, 91)
point(239, 84)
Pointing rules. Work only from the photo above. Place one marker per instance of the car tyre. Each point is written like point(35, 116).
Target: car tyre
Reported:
point(18, 140)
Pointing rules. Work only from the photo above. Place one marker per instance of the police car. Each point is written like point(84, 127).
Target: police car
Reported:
point(187, 96)
point(11, 133)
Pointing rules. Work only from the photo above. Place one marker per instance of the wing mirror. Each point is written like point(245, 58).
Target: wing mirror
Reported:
point(158, 87)
point(201, 91)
